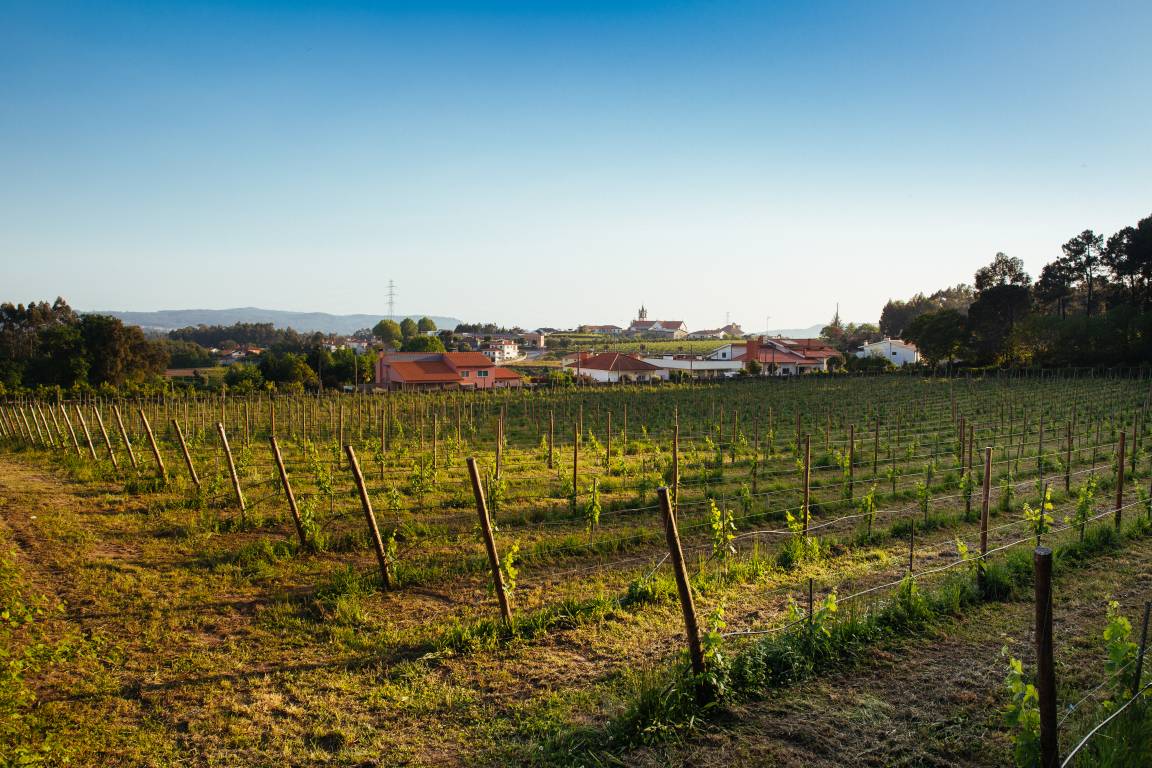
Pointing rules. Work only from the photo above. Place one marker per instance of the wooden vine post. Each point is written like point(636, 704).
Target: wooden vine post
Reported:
point(152, 442)
point(87, 434)
point(292, 506)
point(71, 430)
point(1045, 668)
point(489, 542)
point(232, 469)
point(575, 463)
point(551, 438)
point(1120, 481)
point(370, 518)
point(683, 589)
point(851, 460)
point(187, 453)
point(985, 494)
point(107, 440)
point(807, 479)
point(125, 438)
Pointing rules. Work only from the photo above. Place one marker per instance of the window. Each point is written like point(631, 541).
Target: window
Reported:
point(482, 374)
point(465, 374)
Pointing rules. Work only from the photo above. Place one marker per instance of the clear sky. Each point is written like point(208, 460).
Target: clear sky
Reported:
point(551, 163)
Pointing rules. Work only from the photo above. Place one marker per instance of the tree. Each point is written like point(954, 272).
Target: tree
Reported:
point(1004, 270)
point(1084, 256)
point(939, 335)
point(1055, 285)
point(423, 344)
point(287, 368)
point(425, 325)
point(188, 354)
point(1003, 296)
point(389, 333)
point(408, 328)
point(243, 378)
point(1128, 257)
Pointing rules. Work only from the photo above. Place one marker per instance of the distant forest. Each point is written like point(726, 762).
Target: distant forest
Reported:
point(1088, 307)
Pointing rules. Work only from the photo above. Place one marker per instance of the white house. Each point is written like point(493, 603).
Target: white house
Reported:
point(499, 350)
point(613, 367)
point(898, 352)
point(697, 366)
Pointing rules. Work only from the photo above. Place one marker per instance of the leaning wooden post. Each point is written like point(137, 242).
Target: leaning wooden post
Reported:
point(71, 430)
point(1120, 481)
point(807, 479)
point(232, 469)
point(292, 506)
point(676, 557)
point(373, 530)
point(187, 454)
point(435, 437)
point(489, 541)
point(124, 437)
point(92, 448)
point(107, 440)
point(986, 492)
point(1045, 669)
point(152, 442)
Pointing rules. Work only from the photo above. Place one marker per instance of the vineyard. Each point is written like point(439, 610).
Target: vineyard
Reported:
point(492, 578)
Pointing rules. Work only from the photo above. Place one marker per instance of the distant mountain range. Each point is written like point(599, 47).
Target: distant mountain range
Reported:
point(304, 322)
point(795, 333)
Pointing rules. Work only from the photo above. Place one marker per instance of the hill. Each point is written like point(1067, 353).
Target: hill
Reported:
point(171, 319)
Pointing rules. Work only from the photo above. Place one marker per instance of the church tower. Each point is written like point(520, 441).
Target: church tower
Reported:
point(643, 313)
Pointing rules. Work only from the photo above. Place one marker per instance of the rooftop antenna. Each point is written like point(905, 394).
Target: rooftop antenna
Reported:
point(391, 300)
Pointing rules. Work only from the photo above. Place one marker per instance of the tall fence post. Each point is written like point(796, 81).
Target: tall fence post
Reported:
point(292, 506)
point(232, 470)
point(1045, 668)
point(680, 571)
point(489, 541)
point(370, 518)
point(187, 453)
point(1120, 481)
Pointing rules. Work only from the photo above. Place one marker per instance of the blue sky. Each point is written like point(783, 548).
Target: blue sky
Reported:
point(559, 163)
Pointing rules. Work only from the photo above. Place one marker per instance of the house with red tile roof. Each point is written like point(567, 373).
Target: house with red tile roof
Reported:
point(778, 356)
point(441, 370)
point(614, 367)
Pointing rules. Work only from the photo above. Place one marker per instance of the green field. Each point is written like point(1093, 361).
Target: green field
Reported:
point(151, 621)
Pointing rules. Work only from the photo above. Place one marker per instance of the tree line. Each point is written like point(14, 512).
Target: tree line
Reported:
point(51, 345)
point(1089, 306)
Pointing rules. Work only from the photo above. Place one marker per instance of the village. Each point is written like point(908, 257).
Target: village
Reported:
point(505, 360)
